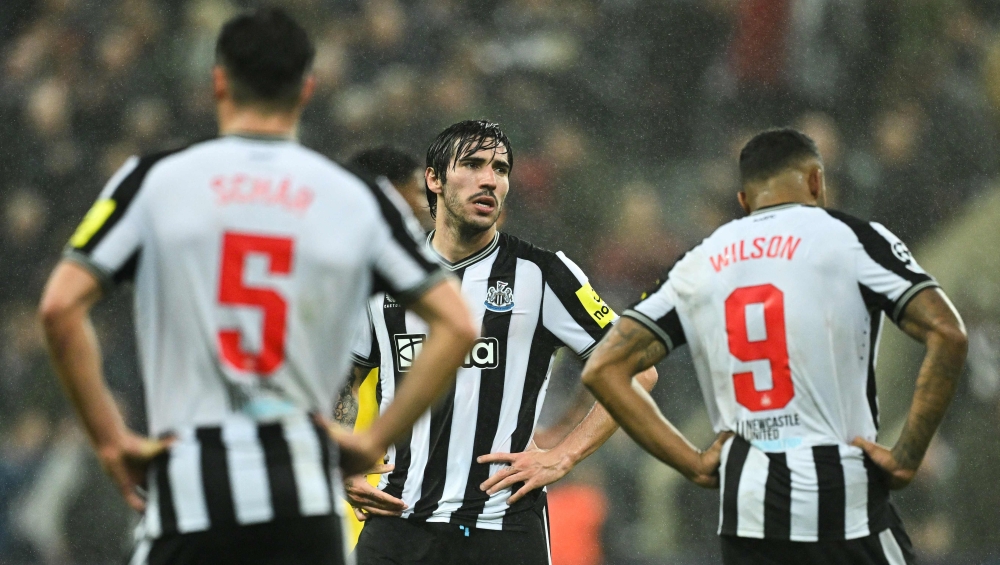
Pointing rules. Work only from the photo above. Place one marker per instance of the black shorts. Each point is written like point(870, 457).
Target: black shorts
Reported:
point(292, 541)
point(396, 541)
point(890, 547)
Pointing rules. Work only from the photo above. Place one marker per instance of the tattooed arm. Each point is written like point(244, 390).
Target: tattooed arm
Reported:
point(931, 319)
point(346, 411)
point(628, 349)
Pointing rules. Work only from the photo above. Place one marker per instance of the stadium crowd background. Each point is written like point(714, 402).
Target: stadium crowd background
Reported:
point(626, 117)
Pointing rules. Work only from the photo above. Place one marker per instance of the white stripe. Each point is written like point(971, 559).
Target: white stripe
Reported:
point(750, 500)
point(856, 492)
point(184, 472)
point(466, 409)
point(141, 554)
point(893, 553)
point(523, 321)
point(307, 466)
point(548, 542)
point(419, 451)
point(247, 472)
point(805, 495)
point(151, 519)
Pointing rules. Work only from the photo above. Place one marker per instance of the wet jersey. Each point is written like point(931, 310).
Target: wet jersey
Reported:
point(782, 311)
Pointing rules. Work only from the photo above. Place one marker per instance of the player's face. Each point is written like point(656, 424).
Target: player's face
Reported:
point(476, 188)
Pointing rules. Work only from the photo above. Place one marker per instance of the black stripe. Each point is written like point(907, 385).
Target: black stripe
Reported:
point(329, 454)
point(880, 512)
point(874, 329)
point(215, 477)
point(280, 473)
point(496, 325)
point(832, 492)
point(128, 269)
point(564, 285)
point(165, 493)
point(778, 498)
point(730, 495)
point(124, 194)
point(395, 324)
point(432, 486)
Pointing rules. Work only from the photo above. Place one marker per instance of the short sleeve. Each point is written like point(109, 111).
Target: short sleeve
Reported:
point(657, 310)
point(109, 239)
point(400, 264)
point(888, 275)
point(364, 348)
point(571, 308)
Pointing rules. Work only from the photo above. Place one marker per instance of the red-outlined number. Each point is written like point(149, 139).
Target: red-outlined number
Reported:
point(773, 347)
point(232, 292)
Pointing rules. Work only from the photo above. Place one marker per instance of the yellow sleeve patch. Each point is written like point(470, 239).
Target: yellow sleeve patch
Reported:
point(95, 218)
point(598, 310)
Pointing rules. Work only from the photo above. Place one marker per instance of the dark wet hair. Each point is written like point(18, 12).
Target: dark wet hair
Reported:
point(773, 151)
point(388, 162)
point(266, 55)
point(459, 141)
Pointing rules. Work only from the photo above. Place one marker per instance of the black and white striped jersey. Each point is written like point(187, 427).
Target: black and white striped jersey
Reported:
point(529, 303)
point(249, 256)
point(782, 311)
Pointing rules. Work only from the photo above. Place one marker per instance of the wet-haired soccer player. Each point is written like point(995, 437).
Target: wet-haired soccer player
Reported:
point(782, 311)
point(466, 483)
point(252, 258)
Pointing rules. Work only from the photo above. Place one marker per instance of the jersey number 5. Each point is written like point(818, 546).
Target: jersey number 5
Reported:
point(232, 292)
point(771, 346)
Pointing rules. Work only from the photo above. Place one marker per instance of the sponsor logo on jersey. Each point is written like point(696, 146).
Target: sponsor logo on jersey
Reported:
point(598, 310)
point(93, 221)
point(483, 355)
point(408, 346)
point(500, 298)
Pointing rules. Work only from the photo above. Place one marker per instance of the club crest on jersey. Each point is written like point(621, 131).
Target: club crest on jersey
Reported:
point(500, 298)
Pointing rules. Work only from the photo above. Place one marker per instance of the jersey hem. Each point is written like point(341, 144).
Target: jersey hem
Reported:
point(102, 275)
point(909, 295)
point(649, 323)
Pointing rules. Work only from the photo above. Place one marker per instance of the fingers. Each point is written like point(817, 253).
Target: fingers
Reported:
point(528, 487)
point(864, 444)
point(361, 516)
point(510, 480)
point(497, 458)
point(497, 477)
point(366, 495)
point(380, 469)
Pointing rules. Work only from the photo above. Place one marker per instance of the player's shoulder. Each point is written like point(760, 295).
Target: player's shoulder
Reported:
point(549, 262)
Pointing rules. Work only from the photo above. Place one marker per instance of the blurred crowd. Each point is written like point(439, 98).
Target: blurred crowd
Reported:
point(626, 117)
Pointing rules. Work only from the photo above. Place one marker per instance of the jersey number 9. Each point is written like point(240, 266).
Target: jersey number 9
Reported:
point(232, 292)
point(771, 346)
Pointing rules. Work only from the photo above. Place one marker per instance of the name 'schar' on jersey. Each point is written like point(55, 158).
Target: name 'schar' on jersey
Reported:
point(775, 247)
point(241, 188)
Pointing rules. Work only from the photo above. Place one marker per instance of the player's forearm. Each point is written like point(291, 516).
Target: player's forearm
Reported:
point(936, 384)
point(432, 373)
point(597, 426)
point(632, 407)
point(345, 412)
point(76, 357)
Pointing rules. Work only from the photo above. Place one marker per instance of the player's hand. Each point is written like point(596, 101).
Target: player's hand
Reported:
point(127, 461)
point(898, 475)
point(706, 471)
point(368, 500)
point(358, 452)
point(534, 467)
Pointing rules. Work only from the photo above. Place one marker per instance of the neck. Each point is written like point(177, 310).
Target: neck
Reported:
point(765, 199)
point(454, 243)
point(235, 120)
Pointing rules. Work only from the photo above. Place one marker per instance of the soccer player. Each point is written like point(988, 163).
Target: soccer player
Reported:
point(465, 484)
point(403, 171)
point(782, 310)
point(252, 258)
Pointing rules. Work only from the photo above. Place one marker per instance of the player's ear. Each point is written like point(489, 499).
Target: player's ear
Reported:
point(220, 83)
point(817, 183)
point(308, 88)
point(742, 197)
point(433, 183)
